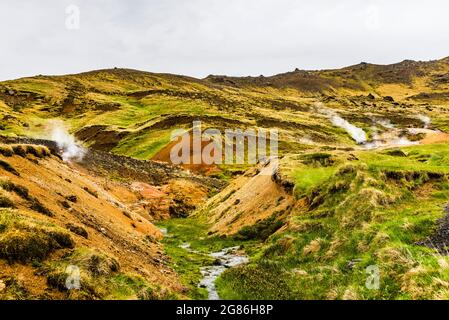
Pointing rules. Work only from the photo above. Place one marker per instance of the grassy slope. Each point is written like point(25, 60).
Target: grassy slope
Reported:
point(356, 218)
point(51, 217)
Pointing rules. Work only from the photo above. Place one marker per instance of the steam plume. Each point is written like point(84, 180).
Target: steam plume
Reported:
point(425, 119)
point(386, 123)
point(66, 142)
point(355, 132)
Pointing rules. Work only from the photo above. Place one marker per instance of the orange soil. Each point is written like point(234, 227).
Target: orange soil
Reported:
point(436, 137)
point(202, 168)
point(110, 230)
point(248, 199)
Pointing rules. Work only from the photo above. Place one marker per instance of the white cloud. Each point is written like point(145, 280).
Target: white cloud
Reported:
point(235, 37)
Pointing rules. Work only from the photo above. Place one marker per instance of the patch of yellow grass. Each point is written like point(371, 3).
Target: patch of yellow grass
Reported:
point(313, 247)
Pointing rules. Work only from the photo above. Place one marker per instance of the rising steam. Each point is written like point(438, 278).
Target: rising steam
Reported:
point(355, 132)
point(425, 120)
point(66, 142)
point(386, 123)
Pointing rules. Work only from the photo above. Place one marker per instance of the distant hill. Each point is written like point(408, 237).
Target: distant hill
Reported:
point(133, 113)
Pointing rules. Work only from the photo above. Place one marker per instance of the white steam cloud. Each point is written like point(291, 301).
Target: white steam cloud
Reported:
point(355, 132)
point(396, 142)
point(425, 119)
point(66, 142)
point(386, 123)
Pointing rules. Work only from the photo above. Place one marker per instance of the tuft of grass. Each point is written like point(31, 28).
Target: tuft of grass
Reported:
point(265, 281)
point(95, 268)
point(21, 191)
point(6, 166)
point(14, 289)
point(91, 192)
point(24, 247)
point(96, 263)
point(37, 151)
point(19, 150)
point(318, 159)
point(36, 205)
point(260, 230)
point(6, 150)
point(6, 202)
point(157, 293)
point(100, 278)
point(77, 230)
point(24, 240)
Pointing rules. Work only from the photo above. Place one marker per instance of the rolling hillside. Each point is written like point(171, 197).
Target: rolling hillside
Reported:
point(133, 112)
point(361, 180)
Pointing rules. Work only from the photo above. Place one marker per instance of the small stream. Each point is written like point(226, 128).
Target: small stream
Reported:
point(224, 259)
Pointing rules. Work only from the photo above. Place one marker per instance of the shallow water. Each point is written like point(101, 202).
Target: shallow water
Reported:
point(164, 231)
point(226, 258)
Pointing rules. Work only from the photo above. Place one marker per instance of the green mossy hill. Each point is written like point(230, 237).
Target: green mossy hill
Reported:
point(363, 215)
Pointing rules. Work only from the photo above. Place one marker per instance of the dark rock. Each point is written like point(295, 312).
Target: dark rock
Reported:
point(237, 172)
point(217, 262)
point(77, 230)
point(179, 211)
point(286, 184)
point(9, 117)
point(65, 204)
point(351, 264)
point(72, 198)
point(396, 153)
point(439, 240)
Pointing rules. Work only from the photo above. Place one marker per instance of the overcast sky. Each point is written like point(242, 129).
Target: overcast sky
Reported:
point(201, 37)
